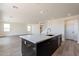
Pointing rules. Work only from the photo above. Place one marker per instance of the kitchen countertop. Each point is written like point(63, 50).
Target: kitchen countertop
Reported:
point(35, 38)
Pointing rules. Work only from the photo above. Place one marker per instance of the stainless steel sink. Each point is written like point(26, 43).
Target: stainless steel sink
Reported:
point(49, 35)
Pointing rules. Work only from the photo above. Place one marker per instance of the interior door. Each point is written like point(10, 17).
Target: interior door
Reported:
point(71, 29)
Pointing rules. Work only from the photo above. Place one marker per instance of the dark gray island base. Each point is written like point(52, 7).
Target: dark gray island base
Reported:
point(42, 46)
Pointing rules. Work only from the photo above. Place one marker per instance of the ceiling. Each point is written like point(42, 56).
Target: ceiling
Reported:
point(36, 12)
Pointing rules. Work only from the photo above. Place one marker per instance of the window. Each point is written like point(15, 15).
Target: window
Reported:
point(6, 27)
point(28, 28)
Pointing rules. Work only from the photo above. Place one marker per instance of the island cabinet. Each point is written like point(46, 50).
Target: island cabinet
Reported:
point(48, 47)
point(42, 48)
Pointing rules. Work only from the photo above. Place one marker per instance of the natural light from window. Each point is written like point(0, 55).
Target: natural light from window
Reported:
point(6, 27)
point(28, 28)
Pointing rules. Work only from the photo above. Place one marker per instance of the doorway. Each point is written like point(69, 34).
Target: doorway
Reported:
point(71, 29)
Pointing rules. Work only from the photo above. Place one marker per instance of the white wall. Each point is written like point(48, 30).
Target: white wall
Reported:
point(19, 29)
point(35, 28)
point(15, 29)
point(57, 27)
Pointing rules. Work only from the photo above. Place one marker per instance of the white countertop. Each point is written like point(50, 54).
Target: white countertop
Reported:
point(36, 38)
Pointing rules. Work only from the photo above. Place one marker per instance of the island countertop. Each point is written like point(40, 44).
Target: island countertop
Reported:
point(36, 38)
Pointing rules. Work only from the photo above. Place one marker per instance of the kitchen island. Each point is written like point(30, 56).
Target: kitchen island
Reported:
point(40, 45)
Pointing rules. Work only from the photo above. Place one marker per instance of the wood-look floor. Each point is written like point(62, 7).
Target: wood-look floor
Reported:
point(68, 48)
point(11, 46)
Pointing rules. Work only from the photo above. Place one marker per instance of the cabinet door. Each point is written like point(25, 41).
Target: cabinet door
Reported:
point(59, 40)
point(54, 45)
point(43, 48)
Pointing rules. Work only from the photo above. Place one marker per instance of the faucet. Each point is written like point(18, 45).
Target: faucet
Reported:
point(48, 30)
